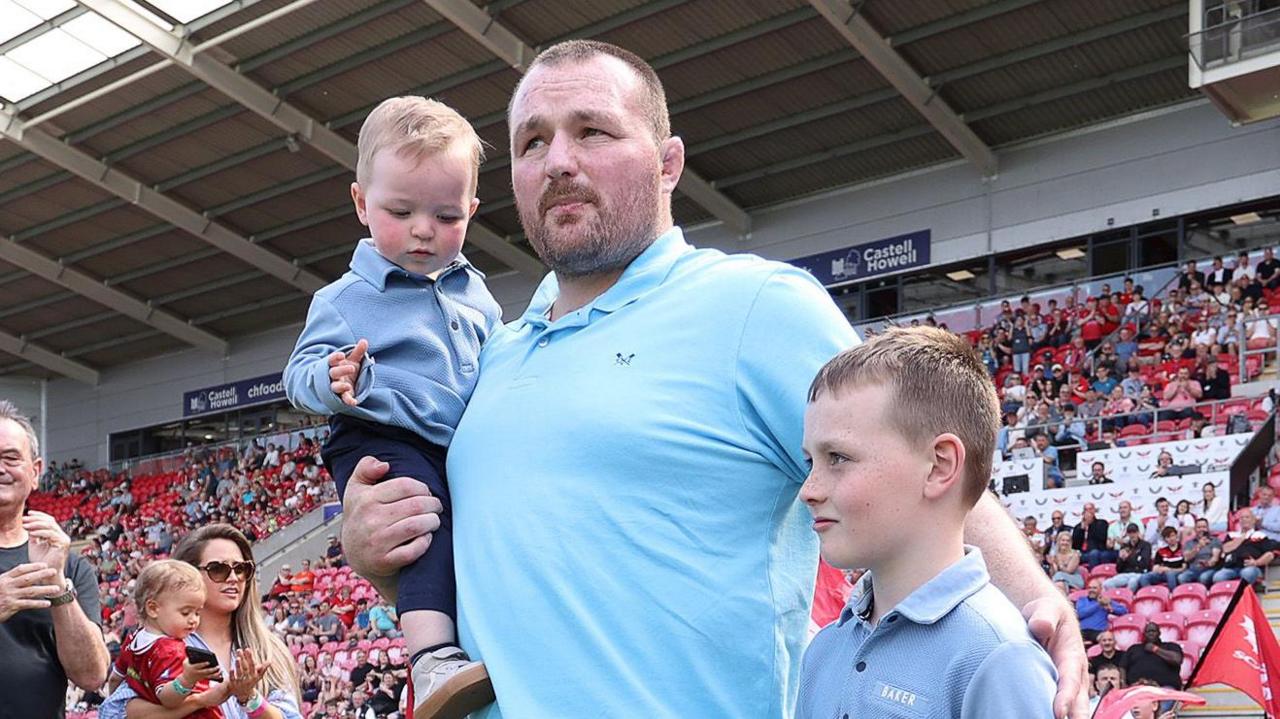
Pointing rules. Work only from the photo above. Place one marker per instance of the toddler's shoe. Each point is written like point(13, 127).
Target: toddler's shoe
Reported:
point(446, 684)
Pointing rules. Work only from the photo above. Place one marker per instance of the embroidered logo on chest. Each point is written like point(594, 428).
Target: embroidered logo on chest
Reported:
point(624, 360)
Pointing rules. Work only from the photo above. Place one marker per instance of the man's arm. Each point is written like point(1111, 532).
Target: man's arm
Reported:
point(1051, 618)
point(388, 523)
point(82, 651)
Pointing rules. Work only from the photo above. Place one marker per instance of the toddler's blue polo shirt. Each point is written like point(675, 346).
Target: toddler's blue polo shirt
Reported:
point(627, 536)
point(955, 648)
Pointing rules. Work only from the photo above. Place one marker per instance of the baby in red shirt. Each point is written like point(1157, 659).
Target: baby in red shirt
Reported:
point(169, 595)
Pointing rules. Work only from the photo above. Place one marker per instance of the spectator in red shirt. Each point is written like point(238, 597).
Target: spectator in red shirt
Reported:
point(304, 582)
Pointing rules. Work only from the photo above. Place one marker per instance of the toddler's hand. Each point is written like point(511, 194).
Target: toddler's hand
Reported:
point(343, 371)
point(193, 673)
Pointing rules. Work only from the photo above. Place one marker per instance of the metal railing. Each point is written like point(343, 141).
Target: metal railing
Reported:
point(1232, 39)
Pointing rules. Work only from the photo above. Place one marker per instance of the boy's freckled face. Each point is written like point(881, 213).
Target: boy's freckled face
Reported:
point(865, 484)
point(417, 211)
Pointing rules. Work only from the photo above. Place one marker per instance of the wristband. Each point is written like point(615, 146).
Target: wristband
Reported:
point(256, 707)
point(181, 690)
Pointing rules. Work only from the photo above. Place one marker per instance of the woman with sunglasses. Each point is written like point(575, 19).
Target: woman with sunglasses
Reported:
point(262, 677)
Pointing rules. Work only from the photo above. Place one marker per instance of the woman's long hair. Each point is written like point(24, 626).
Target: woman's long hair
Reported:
point(248, 630)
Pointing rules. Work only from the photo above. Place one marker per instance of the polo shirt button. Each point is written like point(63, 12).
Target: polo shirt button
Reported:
point(454, 325)
point(543, 342)
point(861, 666)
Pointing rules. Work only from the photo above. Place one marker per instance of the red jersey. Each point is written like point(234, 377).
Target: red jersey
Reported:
point(150, 660)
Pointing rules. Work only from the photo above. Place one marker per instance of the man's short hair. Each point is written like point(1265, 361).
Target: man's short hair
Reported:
point(10, 411)
point(653, 100)
point(937, 384)
point(1169, 531)
point(1133, 527)
point(415, 128)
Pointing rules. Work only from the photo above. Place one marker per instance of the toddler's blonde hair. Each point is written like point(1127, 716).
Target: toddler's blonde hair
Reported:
point(415, 127)
point(161, 577)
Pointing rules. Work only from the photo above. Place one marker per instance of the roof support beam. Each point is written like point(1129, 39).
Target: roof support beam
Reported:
point(503, 43)
point(110, 297)
point(856, 31)
point(157, 203)
point(284, 115)
point(238, 87)
point(47, 358)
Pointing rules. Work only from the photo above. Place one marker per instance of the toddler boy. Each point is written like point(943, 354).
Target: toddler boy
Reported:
point(899, 433)
point(390, 352)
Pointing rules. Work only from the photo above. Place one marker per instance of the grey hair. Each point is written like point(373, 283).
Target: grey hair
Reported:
point(10, 411)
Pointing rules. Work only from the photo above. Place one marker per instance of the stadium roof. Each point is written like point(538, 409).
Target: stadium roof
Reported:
point(174, 173)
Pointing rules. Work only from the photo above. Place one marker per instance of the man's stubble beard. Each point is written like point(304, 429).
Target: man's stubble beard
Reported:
point(607, 243)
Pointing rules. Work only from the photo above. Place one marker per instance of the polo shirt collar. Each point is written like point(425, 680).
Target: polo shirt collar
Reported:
point(645, 273)
point(375, 269)
point(934, 599)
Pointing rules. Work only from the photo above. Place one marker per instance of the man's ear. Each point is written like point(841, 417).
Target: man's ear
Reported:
point(948, 454)
point(357, 197)
point(672, 158)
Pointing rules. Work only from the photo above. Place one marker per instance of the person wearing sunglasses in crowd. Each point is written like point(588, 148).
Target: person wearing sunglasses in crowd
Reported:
point(264, 680)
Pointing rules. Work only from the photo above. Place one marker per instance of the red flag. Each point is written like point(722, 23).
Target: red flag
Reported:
point(1116, 704)
point(830, 593)
point(1243, 653)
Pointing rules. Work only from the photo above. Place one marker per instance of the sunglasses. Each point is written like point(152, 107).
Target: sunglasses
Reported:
point(220, 571)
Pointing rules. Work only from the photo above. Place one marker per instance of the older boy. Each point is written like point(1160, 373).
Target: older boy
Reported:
point(899, 434)
point(390, 352)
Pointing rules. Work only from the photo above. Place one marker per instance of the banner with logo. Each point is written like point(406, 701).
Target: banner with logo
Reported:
point(233, 395)
point(1243, 653)
point(860, 262)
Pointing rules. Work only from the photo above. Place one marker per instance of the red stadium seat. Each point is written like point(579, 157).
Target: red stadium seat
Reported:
point(1220, 594)
point(1103, 571)
point(1201, 625)
point(1127, 630)
point(1172, 626)
point(1188, 599)
point(1151, 600)
point(1190, 655)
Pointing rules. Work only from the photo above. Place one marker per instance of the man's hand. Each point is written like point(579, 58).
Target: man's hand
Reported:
point(388, 523)
point(1053, 622)
point(49, 545)
point(1104, 601)
point(28, 586)
point(344, 369)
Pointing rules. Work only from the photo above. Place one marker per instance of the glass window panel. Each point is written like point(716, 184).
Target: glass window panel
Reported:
point(881, 299)
point(1157, 249)
point(1025, 272)
point(96, 32)
point(17, 82)
point(55, 56)
point(847, 300)
point(15, 20)
point(1112, 256)
point(187, 10)
point(47, 9)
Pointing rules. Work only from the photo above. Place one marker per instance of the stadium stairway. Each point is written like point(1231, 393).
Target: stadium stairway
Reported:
point(1225, 701)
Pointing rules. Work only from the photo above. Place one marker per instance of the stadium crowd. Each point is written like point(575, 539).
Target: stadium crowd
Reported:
point(345, 639)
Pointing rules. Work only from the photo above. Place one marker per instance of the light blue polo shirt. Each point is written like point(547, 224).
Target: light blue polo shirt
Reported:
point(954, 648)
point(626, 532)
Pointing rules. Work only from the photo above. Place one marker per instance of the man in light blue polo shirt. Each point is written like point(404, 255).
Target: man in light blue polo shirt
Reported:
point(627, 536)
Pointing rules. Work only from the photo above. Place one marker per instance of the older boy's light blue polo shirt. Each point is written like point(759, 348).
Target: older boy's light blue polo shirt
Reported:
point(954, 648)
point(424, 343)
point(626, 532)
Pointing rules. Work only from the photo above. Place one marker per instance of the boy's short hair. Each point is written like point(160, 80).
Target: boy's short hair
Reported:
point(937, 383)
point(415, 127)
point(162, 577)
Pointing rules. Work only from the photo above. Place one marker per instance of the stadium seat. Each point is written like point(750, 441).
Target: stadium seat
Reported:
point(1201, 625)
point(1103, 571)
point(1077, 594)
point(1172, 626)
point(1220, 594)
point(1151, 600)
point(1188, 599)
point(1127, 630)
point(1190, 655)
point(1122, 595)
